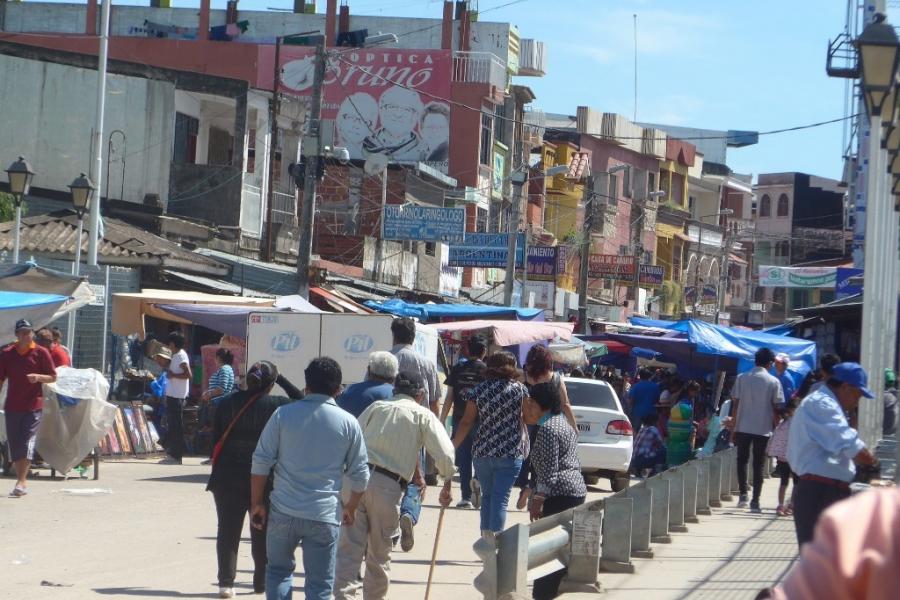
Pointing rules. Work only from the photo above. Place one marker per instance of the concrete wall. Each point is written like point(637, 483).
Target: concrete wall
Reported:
point(49, 116)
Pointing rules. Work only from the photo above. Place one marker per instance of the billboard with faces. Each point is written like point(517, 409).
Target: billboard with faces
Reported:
point(382, 100)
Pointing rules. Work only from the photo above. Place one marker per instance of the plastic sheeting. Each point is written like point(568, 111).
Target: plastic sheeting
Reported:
point(681, 326)
point(513, 333)
point(76, 415)
point(37, 308)
point(433, 312)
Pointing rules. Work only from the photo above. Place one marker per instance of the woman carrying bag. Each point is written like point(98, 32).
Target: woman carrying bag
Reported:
point(239, 421)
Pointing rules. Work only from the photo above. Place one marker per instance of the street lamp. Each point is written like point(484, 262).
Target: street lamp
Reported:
point(82, 191)
point(20, 176)
point(879, 55)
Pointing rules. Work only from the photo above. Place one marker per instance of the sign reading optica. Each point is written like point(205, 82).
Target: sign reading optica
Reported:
point(423, 223)
point(485, 250)
point(797, 277)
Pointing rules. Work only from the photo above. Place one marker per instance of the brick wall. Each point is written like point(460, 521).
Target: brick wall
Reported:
point(87, 346)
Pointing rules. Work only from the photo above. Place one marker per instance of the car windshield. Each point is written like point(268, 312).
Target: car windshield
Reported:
point(590, 395)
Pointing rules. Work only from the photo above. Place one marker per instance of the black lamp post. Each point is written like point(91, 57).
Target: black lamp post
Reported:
point(20, 176)
point(82, 192)
point(879, 53)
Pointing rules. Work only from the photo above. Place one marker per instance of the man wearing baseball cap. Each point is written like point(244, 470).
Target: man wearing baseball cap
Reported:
point(822, 447)
point(26, 366)
point(782, 361)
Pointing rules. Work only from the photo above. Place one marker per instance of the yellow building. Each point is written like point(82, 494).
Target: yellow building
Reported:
point(563, 213)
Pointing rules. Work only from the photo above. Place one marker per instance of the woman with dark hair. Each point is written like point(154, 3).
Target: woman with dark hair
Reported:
point(500, 443)
point(539, 369)
point(239, 421)
point(221, 383)
point(559, 485)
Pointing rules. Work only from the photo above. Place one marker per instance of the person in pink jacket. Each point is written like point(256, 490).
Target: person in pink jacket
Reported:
point(855, 554)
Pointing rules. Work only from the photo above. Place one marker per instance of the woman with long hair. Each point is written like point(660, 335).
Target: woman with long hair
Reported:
point(501, 443)
point(239, 421)
point(559, 485)
point(539, 369)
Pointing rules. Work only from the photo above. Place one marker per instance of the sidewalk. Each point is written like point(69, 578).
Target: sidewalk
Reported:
point(730, 555)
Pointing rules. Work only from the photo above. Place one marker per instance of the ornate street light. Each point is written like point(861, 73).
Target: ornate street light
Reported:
point(82, 191)
point(20, 176)
point(879, 53)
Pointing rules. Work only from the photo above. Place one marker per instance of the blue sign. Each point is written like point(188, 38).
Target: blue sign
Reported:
point(542, 263)
point(848, 282)
point(423, 223)
point(485, 250)
point(358, 343)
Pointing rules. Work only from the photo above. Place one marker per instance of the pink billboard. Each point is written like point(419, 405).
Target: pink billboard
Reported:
point(382, 100)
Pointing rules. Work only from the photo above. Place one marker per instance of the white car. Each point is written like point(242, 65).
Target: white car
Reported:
point(604, 431)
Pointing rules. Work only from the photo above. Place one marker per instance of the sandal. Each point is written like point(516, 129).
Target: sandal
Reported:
point(780, 511)
point(789, 510)
point(524, 495)
point(18, 492)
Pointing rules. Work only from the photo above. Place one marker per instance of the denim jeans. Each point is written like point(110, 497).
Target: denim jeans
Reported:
point(319, 543)
point(496, 476)
point(464, 461)
point(412, 500)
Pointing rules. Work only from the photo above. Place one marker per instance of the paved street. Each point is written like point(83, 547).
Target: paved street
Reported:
point(154, 537)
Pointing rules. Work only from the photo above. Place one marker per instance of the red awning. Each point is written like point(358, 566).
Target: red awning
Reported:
point(617, 347)
point(337, 303)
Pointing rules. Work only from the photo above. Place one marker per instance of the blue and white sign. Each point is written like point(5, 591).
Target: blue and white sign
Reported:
point(423, 223)
point(848, 282)
point(485, 250)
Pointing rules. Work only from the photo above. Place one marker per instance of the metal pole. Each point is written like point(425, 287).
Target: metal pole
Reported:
point(588, 200)
point(873, 312)
point(379, 241)
point(106, 295)
point(18, 227)
point(513, 230)
point(76, 270)
point(698, 293)
point(638, 253)
point(522, 299)
point(722, 285)
point(275, 105)
point(304, 253)
point(97, 171)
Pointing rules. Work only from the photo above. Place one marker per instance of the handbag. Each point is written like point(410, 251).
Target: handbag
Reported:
point(220, 445)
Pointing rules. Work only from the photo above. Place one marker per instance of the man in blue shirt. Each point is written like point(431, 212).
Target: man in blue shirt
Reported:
point(643, 395)
point(822, 447)
point(782, 361)
point(379, 384)
point(312, 445)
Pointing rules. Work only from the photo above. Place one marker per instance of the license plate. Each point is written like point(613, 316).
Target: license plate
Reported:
point(583, 426)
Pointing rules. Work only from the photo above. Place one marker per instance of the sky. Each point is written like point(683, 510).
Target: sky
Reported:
point(754, 65)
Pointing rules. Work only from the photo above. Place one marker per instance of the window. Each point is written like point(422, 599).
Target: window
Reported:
point(487, 138)
point(783, 249)
point(429, 248)
point(651, 182)
point(783, 205)
point(481, 220)
point(626, 183)
point(613, 190)
point(500, 124)
point(186, 129)
point(623, 250)
point(765, 206)
point(691, 203)
point(590, 395)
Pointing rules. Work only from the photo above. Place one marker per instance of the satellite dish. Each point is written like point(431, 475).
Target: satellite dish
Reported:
point(375, 164)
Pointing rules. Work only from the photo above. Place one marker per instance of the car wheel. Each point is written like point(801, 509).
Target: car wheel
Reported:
point(591, 479)
point(620, 482)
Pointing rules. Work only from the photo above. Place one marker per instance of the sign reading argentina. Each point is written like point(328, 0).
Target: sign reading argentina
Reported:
point(423, 223)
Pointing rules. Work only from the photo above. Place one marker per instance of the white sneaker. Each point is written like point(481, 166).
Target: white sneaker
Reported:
point(171, 461)
point(463, 504)
point(225, 592)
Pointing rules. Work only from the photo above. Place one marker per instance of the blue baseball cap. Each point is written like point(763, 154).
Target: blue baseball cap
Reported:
point(853, 374)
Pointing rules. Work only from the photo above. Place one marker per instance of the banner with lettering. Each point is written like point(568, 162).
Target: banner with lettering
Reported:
point(797, 277)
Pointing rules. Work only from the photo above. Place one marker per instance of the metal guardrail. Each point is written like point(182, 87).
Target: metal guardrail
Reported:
point(479, 67)
point(604, 535)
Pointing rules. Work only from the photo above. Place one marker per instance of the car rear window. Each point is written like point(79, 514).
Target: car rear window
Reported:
point(590, 395)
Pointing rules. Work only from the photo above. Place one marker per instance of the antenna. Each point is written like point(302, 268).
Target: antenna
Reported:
point(635, 67)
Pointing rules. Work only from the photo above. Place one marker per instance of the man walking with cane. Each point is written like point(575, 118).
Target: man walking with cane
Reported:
point(395, 431)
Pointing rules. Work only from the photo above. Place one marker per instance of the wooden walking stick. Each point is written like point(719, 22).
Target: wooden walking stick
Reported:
point(437, 540)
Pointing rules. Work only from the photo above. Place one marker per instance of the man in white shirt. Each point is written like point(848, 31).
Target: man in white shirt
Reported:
point(177, 389)
point(756, 393)
point(395, 431)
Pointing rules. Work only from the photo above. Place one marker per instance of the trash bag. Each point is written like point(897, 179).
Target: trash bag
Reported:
point(76, 415)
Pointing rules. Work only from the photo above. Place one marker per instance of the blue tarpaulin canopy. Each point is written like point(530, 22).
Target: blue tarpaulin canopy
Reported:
point(227, 319)
point(434, 312)
point(673, 325)
point(37, 308)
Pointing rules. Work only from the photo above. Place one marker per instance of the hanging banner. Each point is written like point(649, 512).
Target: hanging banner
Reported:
point(423, 223)
point(613, 266)
point(651, 275)
point(382, 100)
point(485, 250)
point(797, 277)
point(542, 263)
point(709, 295)
point(848, 282)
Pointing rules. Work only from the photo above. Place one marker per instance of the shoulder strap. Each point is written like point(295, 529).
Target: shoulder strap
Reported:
point(240, 413)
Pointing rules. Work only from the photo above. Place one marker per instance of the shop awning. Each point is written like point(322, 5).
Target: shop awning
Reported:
point(431, 312)
point(129, 310)
point(215, 285)
point(37, 308)
point(514, 333)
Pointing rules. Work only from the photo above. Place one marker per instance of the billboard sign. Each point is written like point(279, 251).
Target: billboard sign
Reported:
point(485, 250)
point(611, 266)
point(541, 264)
point(848, 282)
point(709, 295)
point(382, 100)
point(423, 223)
point(797, 277)
point(651, 274)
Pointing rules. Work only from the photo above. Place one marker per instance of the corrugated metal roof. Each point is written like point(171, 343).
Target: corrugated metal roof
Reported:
point(122, 244)
point(270, 278)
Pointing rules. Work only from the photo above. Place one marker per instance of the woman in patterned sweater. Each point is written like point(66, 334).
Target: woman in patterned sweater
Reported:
point(559, 484)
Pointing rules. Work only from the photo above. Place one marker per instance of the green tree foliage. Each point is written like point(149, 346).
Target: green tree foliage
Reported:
point(8, 207)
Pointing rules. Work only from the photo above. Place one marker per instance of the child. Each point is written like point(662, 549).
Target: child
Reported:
point(778, 448)
point(649, 448)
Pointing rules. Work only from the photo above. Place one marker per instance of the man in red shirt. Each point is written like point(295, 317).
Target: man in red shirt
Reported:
point(26, 366)
point(44, 337)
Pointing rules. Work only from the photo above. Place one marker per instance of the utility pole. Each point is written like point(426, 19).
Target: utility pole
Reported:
point(588, 200)
point(522, 299)
point(97, 170)
point(275, 109)
point(313, 156)
point(518, 180)
point(722, 287)
point(379, 243)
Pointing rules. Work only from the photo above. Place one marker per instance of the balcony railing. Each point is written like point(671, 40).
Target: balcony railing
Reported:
point(532, 58)
point(479, 67)
point(284, 207)
point(251, 209)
